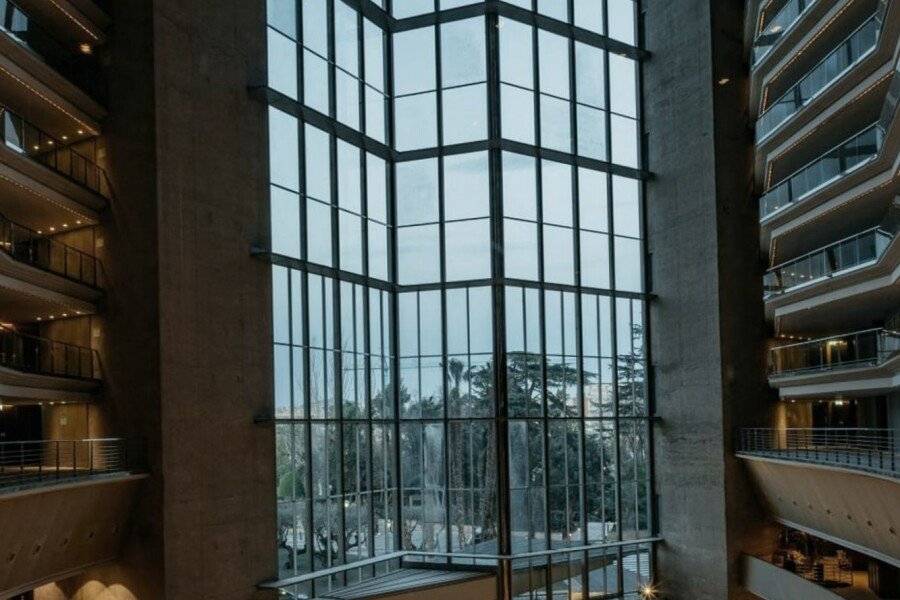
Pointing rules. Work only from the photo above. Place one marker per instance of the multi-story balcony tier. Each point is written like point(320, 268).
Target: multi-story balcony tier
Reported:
point(48, 66)
point(48, 184)
point(841, 178)
point(858, 363)
point(838, 286)
point(821, 67)
point(38, 369)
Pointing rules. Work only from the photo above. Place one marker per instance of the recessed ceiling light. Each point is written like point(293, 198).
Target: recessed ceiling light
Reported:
point(724, 80)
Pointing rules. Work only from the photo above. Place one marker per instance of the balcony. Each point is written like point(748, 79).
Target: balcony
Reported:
point(870, 450)
point(38, 369)
point(27, 246)
point(32, 354)
point(58, 154)
point(867, 348)
point(77, 499)
point(830, 498)
point(43, 462)
point(861, 363)
point(852, 253)
point(75, 65)
point(841, 160)
point(773, 29)
point(860, 44)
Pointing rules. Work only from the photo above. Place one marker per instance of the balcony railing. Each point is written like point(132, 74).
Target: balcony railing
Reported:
point(25, 138)
point(774, 28)
point(71, 62)
point(47, 461)
point(854, 252)
point(831, 68)
point(834, 164)
point(28, 246)
point(871, 347)
point(533, 573)
point(32, 354)
point(872, 450)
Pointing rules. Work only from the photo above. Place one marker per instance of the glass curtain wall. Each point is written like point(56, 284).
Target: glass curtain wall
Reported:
point(458, 288)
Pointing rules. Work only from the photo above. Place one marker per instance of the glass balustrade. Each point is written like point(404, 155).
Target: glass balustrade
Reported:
point(832, 165)
point(856, 251)
point(840, 60)
point(774, 28)
point(46, 253)
point(32, 354)
point(25, 138)
point(72, 62)
point(863, 348)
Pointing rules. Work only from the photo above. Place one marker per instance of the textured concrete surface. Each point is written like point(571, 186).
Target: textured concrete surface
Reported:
point(186, 331)
point(707, 319)
point(70, 526)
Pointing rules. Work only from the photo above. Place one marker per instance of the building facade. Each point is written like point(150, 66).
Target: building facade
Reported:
point(823, 92)
point(501, 299)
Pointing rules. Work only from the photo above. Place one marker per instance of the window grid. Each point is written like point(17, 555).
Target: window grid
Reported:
point(351, 284)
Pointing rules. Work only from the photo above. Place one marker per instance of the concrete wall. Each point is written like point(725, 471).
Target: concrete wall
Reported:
point(215, 300)
point(707, 320)
point(851, 508)
point(186, 330)
point(70, 526)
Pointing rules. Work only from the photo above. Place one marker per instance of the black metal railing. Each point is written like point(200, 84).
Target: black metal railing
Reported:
point(773, 28)
point(834, 164)
point(871, 450)
point(32, 354)
point(28, 246)
point(855, 251)
point(41, 461)
point(59, 155)
point(73, 62)
point(533, 574)
point(839, 61)
point(870, 347)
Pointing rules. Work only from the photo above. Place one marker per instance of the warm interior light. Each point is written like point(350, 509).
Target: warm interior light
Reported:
point(53, 229)
point(65, 224)
point(81, 132)
point(78, 222)
point(724, 80)
point(65, 137)
point(85, 48)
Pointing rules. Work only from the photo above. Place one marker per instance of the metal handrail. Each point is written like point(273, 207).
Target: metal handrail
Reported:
point(867, 449)
point(42, 356)
point(869, 246)
point(793, 97)
point(59, 155)
point(782, 194)
point(868, 347)
point(42, 251)
point(70, 61)
point(24, 463)
point(402, 554)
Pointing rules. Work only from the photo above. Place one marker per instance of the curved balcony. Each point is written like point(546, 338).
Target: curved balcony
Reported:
point(868, 348)
point(27, 246)
point(58, 154)
point(71, 62)
point(857, 46)
point(841, 160)
point(855, 252)
point(861, 449)
point(41, 356)
point(39, 462)
point(774, 28)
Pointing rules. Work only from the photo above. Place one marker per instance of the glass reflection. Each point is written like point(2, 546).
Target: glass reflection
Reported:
point(417, 235)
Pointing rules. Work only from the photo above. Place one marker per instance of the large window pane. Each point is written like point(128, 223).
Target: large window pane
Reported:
point(462, 52)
